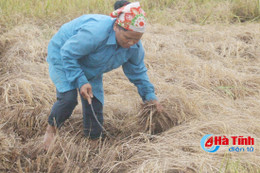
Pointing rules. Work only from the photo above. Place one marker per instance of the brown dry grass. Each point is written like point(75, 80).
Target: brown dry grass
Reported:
point(153, 121)
point(206, 77)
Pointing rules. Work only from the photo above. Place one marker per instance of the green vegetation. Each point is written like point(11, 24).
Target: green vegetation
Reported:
point(160, 11)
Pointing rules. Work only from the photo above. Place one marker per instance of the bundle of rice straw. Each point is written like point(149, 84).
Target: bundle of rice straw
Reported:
point(153, 121)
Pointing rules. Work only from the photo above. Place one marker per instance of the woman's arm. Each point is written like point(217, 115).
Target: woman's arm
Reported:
point(75, 48)
point(135, 71)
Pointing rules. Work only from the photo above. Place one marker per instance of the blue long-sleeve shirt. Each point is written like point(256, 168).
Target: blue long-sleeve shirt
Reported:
point(85, 48)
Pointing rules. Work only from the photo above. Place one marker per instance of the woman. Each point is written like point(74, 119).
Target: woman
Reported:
point(85, 48)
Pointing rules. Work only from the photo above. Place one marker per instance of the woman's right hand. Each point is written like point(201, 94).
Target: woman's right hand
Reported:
point(86, 92)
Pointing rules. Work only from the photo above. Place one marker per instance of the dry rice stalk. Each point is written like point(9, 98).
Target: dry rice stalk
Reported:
point(153, 121)
point(8, 153)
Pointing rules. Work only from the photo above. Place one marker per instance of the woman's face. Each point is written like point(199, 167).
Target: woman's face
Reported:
point(126, 38)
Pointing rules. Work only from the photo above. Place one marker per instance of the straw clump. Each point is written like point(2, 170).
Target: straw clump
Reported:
point(154, 121)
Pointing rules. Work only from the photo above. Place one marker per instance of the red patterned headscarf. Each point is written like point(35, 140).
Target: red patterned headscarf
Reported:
point(130, 17)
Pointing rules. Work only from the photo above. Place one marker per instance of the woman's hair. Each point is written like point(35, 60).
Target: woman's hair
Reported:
point(120, 3)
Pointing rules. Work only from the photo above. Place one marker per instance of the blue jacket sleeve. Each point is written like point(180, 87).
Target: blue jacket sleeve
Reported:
point(135, 71)
point(76, 47)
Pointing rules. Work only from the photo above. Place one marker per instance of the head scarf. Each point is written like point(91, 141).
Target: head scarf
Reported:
point(130, 17)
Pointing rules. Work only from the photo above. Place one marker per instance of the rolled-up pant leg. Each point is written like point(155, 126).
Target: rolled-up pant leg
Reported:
point(63, 107)
point(92, 128)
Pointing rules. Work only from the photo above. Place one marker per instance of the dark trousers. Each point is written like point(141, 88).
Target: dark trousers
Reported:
point(64, 106)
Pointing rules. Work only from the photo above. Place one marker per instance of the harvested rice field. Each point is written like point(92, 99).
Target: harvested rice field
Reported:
point(206, 76)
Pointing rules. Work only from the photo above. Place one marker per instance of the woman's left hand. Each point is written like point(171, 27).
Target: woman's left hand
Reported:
point(158, 106)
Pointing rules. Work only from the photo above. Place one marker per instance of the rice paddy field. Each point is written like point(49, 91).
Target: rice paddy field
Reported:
point(203, 57)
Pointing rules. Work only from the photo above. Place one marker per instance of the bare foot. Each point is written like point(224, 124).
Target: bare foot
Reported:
point(49, 136)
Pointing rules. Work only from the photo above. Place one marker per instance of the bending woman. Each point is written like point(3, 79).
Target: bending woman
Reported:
point(85, 48)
